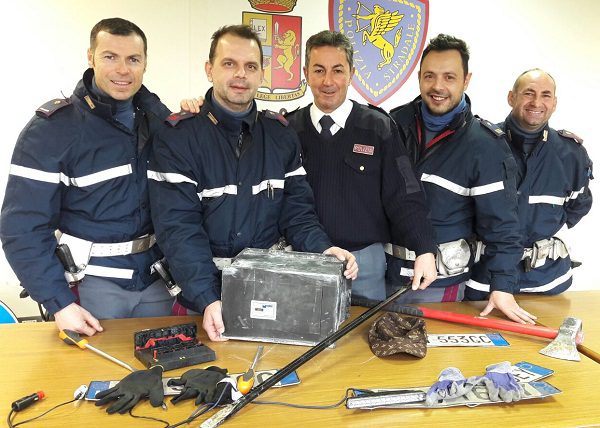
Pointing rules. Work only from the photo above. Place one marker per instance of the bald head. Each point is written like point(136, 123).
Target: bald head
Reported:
point(533, 73)
point(533, 99)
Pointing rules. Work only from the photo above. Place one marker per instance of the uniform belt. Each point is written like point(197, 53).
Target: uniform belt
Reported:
point(452, 258)
point(551, 248)
point(536, 255)
point(399, 252)
point(138, 245)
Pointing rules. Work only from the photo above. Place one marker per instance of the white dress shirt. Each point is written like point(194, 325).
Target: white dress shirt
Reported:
point(339, 116)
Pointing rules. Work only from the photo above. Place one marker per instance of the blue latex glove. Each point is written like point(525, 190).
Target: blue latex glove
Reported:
point(451, 384)
point(501, 384)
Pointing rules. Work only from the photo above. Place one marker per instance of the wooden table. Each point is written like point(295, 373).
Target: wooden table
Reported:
point(33, 358)
point(552, 310)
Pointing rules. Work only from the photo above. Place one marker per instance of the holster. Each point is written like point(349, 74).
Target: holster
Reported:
point(453, 257)
point(162, 268)
point(551, 248)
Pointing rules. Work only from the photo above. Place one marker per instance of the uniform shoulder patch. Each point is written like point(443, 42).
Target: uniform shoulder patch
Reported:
point(269, 114)
point(286, 113)
point(569, 135)
point(52, 106)
point(174, 118)
point(379, 109)
point(494, 129)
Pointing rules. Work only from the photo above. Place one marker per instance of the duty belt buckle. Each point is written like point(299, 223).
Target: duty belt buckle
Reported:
point(142, 244)
point(403, 253)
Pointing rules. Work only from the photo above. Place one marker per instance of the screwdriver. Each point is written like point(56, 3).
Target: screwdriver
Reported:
point(246, 381)
point(71, 337)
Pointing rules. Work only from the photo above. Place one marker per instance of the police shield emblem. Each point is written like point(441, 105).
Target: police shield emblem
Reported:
point(388, 38)
point(281, 39)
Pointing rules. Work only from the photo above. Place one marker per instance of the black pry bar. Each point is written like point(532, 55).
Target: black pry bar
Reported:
point(231, 409)
point(392, 307)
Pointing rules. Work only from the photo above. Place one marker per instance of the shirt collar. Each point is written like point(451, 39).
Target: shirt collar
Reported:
point(225, 118)
point(339, 115)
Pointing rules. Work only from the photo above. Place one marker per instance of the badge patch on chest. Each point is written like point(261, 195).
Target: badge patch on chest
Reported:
point(364, 150)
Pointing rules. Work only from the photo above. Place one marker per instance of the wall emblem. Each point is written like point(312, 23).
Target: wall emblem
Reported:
point(281, 38)
point(276, 6)
point(388, 38)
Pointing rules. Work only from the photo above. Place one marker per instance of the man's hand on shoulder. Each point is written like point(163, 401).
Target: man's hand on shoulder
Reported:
point(506, 303)
point(351, 271)
point(192, 105)
point(212, 322)
point(74, 317)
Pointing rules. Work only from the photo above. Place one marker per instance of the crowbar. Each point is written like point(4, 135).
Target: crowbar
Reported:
point(231, 409)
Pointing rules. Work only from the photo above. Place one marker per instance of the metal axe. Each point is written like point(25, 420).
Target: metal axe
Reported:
point(564, 346)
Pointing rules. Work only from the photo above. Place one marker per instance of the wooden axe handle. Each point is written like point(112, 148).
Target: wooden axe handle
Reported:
point(532, 330)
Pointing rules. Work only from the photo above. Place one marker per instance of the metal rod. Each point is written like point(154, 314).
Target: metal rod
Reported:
point(231, 409)
point(110, 357)
point(257, 356)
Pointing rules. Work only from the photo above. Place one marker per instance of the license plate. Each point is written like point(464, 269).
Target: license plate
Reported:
point(466, 340)
point(528, 372)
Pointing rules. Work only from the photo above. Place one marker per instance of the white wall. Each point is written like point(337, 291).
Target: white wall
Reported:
point(44, 53)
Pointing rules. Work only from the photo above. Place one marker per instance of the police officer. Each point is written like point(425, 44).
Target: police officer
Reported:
point(366, 192)
point(553, 174)
point(229, 178)
point(78, 174)
point(468, 173)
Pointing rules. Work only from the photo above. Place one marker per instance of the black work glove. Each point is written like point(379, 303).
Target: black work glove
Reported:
point(200, 383)
point(132, 388)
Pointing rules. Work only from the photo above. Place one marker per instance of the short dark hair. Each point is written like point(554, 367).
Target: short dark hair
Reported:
point(242, 31)
point(518, 80)
point(329, 38)
point(117, 27)
point(444, 42)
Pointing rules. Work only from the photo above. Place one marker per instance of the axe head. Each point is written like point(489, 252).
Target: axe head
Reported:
point(564, 346)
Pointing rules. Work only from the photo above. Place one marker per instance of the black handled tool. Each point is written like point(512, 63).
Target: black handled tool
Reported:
point(231, 409)
point(72, 271)
point(162, 268)
point(66, 258)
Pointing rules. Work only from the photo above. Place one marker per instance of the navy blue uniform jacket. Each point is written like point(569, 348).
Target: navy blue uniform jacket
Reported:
point(469, 177)
point(208, 203)
point(75, 168)
point(553, 191)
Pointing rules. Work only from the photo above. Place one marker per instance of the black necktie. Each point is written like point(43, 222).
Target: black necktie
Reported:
point(326, 122)
point(243, 139)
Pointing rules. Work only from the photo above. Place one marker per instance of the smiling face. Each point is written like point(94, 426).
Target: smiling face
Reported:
point(328, 74)
point(442, 80)
point(119, 64)
point(533, 100)
point(235, 72)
